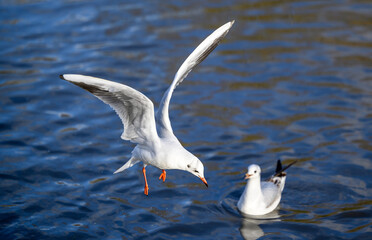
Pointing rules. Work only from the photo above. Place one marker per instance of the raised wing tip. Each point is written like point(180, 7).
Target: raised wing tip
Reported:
point(227, 25)
point(69, 77)
point(75, 77)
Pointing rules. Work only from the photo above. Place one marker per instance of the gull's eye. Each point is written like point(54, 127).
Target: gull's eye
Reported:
point(188, 165)
point(255, 171)
point(196, 171)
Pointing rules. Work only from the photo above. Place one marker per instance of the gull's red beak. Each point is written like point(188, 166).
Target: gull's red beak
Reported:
point(247, 176)
point(204, 181)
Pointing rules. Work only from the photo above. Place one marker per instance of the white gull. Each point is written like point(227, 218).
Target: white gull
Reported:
point(260, 198)
point(156, 143)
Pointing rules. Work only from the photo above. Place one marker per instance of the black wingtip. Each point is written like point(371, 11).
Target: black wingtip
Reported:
point(290, 164)
point(278, 166)
point(61, 77)
point(277, 173)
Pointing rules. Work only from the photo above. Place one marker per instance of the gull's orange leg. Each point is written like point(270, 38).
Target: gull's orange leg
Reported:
point(146, 186)
point(163, 175)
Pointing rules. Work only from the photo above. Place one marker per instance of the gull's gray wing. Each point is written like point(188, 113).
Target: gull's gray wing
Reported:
point(271, 192)
point(135, 110)
point(196, 57)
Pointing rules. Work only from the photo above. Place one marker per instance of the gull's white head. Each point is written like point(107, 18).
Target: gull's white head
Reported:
point(195, 167)
point(254, 171)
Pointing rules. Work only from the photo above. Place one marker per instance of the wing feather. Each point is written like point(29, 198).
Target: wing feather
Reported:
point(271, 192)
point(196, 57)
point(135, 110)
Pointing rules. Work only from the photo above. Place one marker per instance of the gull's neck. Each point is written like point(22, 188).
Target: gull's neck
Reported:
point(253, 188)
point(252, 197)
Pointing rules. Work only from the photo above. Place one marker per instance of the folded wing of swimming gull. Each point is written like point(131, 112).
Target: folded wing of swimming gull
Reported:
point(135, 110)
point(271, 192)
point(196, 57)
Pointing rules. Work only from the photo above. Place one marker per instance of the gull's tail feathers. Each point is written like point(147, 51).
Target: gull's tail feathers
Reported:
point(128, 164)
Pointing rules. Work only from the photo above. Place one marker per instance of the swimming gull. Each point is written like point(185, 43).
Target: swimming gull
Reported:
point(260, 198)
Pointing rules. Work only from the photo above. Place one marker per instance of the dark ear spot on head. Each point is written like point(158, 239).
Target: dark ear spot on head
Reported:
point(188, 165)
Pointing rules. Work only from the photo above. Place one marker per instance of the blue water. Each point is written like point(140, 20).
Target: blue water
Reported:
point(291, 80)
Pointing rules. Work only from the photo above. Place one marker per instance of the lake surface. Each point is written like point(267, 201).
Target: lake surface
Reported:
point(291, 80)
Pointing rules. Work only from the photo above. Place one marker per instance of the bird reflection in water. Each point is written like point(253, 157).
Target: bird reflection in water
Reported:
point(250, 227)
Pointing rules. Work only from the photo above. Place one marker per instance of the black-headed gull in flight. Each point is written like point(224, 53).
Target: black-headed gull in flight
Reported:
point(156, 143)
point(260, 198)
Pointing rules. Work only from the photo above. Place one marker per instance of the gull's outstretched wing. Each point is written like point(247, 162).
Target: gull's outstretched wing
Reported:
point(196, 57)
point(135, 110)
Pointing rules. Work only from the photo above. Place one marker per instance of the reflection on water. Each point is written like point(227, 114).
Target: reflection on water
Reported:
point(250, 227)
point(251, 230)
point(292, 80)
